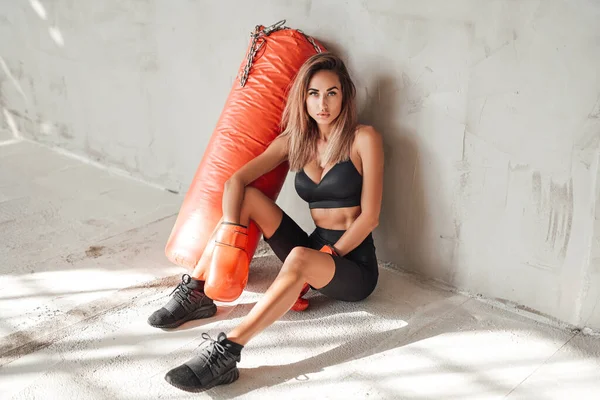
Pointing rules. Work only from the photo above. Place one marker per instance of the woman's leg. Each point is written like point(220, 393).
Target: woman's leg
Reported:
point(302, 265)
point(255, 206)
point(188, 301)
point(216, 363)
point(353, 281)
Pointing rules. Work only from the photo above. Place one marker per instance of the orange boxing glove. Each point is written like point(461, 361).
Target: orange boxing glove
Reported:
point(329, 250)
point(229, 266)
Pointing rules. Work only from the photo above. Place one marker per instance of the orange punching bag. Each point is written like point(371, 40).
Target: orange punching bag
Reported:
point(249, 122)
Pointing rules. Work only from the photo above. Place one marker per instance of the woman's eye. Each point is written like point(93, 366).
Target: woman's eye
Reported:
point(332, 93)
point(312, 93)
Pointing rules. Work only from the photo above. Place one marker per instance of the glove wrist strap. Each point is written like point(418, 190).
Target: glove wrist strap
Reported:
point(230, 234)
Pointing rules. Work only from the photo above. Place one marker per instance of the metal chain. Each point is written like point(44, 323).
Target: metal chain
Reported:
point(251, 53)
point(311, 41)
point(259, 35)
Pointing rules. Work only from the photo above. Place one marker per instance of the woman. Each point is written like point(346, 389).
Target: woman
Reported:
point(339, 172)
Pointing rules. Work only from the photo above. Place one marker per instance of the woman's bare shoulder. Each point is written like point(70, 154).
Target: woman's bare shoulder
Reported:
point(366, 135)
point(280, 144)
point(362, 129)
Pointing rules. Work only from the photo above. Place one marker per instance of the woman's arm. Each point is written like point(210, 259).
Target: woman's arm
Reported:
point(370, 147)
point(234, 189)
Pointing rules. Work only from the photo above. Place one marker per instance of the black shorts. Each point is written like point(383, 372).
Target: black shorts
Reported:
point(356, 273)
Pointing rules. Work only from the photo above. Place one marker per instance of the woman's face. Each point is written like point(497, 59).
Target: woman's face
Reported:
point(324, 97)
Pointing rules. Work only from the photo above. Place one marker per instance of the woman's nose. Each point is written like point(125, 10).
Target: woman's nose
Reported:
point(323, 102)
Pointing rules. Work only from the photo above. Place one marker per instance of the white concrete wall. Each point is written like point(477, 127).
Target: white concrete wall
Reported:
point(490, 112)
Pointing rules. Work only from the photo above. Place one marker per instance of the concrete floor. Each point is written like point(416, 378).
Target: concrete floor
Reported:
point(83, 266)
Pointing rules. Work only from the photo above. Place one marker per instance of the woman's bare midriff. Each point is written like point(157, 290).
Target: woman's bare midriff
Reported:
point(335, 218)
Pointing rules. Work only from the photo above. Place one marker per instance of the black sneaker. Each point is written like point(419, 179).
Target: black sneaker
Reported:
point(188, 302)
point(215, 365)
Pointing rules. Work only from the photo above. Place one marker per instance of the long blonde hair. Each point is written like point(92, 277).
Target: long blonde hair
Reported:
point(302, 130)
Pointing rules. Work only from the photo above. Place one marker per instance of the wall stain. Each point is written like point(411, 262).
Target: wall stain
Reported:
point(595, 113)
point(554, 205)
point(562, 197)
point(18, 114)
point(307, 8)
point(63, 130)
point(536, 185)
point(59, 87)
point(518, 167)
point(148, 61)
point(542, 206)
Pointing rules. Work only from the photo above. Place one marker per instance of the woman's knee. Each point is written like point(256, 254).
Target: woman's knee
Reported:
point(248, 203)
point(250, 196)
point(261, 209)
point(255, 200)
point(296, 261)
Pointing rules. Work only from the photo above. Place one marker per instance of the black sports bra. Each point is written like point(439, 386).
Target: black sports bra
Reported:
point(340, 187)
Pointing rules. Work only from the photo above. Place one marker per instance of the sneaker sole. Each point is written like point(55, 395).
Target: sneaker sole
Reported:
point(202, 312)
point(229, 377)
